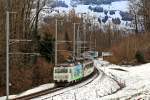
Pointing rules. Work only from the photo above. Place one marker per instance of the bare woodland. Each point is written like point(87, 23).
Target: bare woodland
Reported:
point(24, 74)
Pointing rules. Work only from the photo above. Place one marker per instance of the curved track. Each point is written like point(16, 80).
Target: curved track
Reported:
point(83, 82)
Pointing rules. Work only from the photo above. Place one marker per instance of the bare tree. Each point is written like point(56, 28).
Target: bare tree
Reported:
point(140, 9)
point(134, 9)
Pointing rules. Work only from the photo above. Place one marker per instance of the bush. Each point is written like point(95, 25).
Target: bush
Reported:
point(104, 20)
point(46, 48)
point(99, 20)
point(112, 12)
point(59, 4)
point(90, 7)
point(140, 57)
point(116, 21)
point(126, 16)
point(98, 9)
point(105, 12)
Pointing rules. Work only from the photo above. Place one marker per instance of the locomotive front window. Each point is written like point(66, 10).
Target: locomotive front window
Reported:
point(61, 70)
point(89, 65)
point(70, 70)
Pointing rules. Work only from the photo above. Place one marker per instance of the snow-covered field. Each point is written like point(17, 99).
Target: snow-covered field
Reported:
point(136, 78)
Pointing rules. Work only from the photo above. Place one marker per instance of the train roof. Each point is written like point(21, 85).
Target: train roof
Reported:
point(88, 61)
point(68, 64)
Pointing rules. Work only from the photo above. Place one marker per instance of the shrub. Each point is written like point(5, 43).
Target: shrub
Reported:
point(59, 4)
point(99, 20)
point(112, 12)
point(98, 9)
point(105, 12)
point(46, 48)
point(140, 57)
point(126, 16)
point(116, 21)
point(90, 7)
point(104, 20)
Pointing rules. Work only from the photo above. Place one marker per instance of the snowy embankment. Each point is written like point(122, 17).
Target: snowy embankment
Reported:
point(34, 90)
point(136, 79)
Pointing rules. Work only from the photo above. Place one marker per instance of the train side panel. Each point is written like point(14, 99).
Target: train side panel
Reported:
point(88, 68)
point(77, 72)
point(96, 54)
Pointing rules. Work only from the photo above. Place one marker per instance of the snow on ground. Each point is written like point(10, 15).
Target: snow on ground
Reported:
point(34, 90)
point(101, 86)
point(136, 79)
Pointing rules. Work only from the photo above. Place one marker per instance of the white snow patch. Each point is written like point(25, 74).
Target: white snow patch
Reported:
point(136, 78)
point(34, 90)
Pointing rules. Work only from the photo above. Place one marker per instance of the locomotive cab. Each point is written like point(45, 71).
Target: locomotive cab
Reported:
point(61, 74)
point(67, 73)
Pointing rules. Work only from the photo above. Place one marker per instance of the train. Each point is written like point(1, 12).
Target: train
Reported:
point(90, 55)
point(70, 73)
point(75, 70)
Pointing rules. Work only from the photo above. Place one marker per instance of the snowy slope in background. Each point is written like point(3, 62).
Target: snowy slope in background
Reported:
point(119, 5)
point(80, 8)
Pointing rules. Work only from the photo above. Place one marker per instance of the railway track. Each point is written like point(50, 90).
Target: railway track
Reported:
point(52, 90)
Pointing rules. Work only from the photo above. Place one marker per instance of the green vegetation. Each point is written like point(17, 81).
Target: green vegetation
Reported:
point(140, 57)
point(46, 48)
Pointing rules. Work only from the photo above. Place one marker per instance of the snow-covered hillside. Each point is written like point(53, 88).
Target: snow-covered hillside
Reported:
point(136, 78)
point(64, 6)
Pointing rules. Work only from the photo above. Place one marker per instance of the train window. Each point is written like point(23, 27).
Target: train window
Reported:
point(70, 70)
point(61, 70)
point(89, 65)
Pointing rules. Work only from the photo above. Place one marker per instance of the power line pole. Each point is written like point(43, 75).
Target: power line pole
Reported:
point(74, 39)
point(7, 54)
point(56, 43)
point(95, 23)
point(7, 48)
point(56, 39)
point(78, 39)
point(84, 31)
